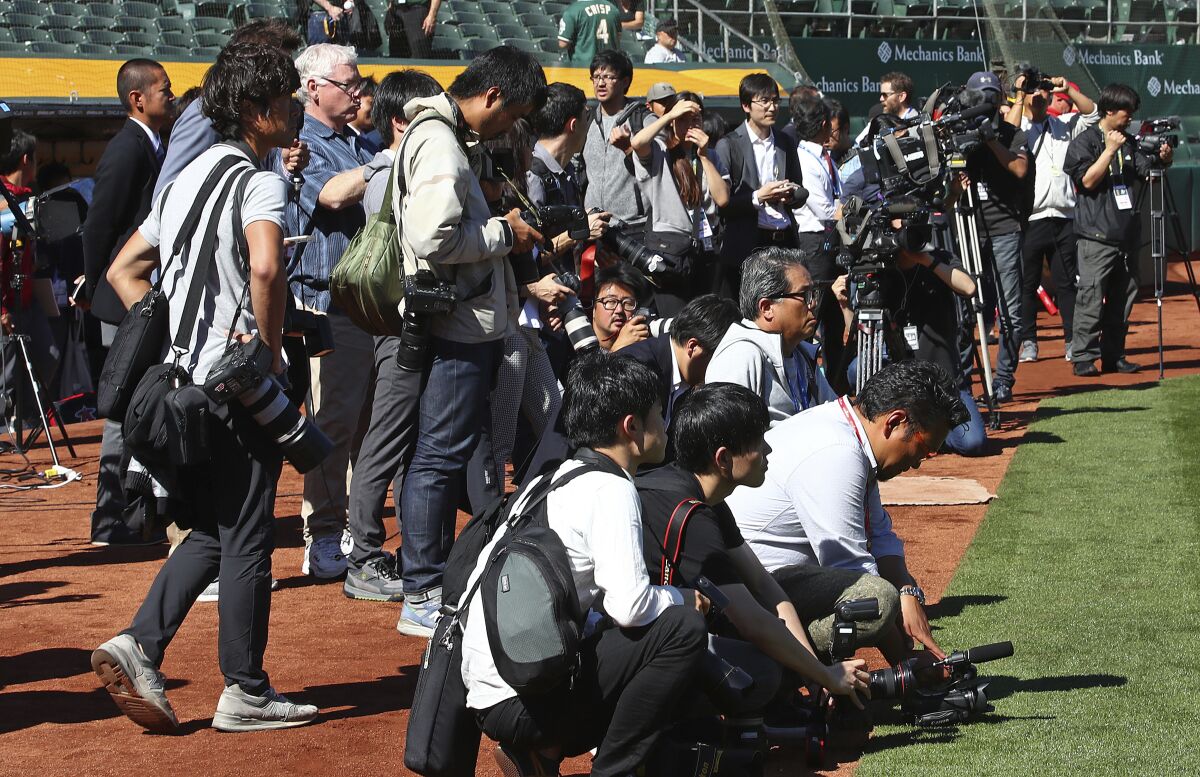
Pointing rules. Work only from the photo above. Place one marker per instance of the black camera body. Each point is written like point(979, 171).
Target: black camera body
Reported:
point(846, 616)
point(1034, 79)
point(243, 367)
point(944, 692)
point(554, 220)
point(870, 242)
point(1155, 132)
point(425, 295)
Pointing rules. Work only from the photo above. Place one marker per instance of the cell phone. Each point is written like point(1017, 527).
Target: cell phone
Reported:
point(78, 288)
point(292, 240)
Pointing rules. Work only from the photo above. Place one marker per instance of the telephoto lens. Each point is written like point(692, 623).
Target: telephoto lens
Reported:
point(893, 683)
point(579, 328)
point(414, 339)
point(302, 441)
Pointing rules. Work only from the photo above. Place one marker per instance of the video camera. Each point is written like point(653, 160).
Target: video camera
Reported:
point(929, 698)
point(1154, 132)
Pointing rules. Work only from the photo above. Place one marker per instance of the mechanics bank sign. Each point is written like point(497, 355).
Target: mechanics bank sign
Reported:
point(1090, 57)
point(889, 52)
point(1167, 77)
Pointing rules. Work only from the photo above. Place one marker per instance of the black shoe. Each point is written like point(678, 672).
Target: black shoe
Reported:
point(1002, 393)
point(121, 535)
point(524, 763)
point(1122, 365)
point(1084, 370)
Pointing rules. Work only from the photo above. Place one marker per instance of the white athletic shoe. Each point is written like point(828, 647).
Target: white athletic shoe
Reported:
point(134, 683)
point(239, 711)
point(347, 542)
point(213, 592)
point(324, 559)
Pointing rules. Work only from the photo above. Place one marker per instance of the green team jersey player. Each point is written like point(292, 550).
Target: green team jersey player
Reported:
point(589, 26)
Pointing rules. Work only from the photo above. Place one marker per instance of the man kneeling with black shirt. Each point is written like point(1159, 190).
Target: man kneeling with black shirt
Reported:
point(719, 446)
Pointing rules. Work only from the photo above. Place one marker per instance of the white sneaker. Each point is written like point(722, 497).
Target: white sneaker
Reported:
point(323, 558)
point(134, 683)
point(213, 592)
point(239, 711)
point(347, 542)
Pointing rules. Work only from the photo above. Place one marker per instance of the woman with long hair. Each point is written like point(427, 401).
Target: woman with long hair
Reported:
point(680, 178)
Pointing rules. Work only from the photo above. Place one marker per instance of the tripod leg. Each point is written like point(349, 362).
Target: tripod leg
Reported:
point(37, 396)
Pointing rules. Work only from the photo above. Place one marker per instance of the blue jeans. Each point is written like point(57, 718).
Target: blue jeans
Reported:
point(970, 439)
point(1003, 266)
point(454, 407)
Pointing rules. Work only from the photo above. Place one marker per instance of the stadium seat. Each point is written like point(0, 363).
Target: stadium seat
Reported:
point(96, 23)
point(30, 35)
point(549, 45)
point(216, 9)
point(554, 10)
point(68, 9)
point(6, 35)
point(181, 39)
point(210, 52)
point(470, 17)
point(479, 45)
point(494, 6)
point(50, 47)
point(263, 11)
point(521, 44)
point(72, 37)
point(482, 31)
point(17, 19)
point(542, 30)
point(512, 31)
point(93, 48)
point(521, 6)
point(140, 9)
point(104, 37)
point(211, 24)
point(174, 24)
point(546, 59)
point(12, 47)
point(508, 17)
point(136, 38)
point(111, 10)
point(130, 50)
point(30, 7)
point(211, 39)
point(171, 51)
point(59, 22)
point(635, 48)
point(135, 24)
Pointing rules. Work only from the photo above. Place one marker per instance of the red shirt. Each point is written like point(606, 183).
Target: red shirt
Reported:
point(10, 266)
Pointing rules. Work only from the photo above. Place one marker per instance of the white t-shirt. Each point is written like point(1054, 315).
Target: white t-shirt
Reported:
point(1053, 191)
point(598, 517)
point(660, 55)
point(264, 200)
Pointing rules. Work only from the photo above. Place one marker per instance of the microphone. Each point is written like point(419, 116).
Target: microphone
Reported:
point(983, 109)
point(903, 207)
point(985, 653)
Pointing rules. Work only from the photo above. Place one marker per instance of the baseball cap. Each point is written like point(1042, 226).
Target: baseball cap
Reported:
point(667, 25)
point(984, 79)
point(660, 91)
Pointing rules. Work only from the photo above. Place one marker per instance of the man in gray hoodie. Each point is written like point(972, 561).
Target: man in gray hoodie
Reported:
point(767, 352)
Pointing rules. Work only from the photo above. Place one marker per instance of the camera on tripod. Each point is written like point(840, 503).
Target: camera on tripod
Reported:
point(870, 236)
point(1155, 132)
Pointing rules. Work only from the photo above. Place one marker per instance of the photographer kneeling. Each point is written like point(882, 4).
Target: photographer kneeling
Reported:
point(636, 662)
point(719, 446)
point(819, 511)
point(677, 173)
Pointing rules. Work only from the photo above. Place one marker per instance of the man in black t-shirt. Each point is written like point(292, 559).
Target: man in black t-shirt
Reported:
point(719, 446)
point(997, 174)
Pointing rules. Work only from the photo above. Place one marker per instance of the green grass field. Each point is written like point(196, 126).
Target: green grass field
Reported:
point(1088, 562)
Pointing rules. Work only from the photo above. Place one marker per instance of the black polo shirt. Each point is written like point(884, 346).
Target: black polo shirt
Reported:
point(1097, 214)
point(917, 297)
point(710, 534)
point(1000, 194)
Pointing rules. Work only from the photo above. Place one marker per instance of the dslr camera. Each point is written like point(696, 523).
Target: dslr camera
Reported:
point(425, 295)
point(1035, 80)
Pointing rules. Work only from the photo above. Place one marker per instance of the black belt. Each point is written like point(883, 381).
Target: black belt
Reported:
point(775, 235)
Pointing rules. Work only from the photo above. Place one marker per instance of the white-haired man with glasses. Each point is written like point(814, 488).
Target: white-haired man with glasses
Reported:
point(767, 352)
point(329, 208)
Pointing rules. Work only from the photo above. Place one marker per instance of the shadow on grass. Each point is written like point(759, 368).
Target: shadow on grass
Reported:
point(953, 606)
point(1003, 686)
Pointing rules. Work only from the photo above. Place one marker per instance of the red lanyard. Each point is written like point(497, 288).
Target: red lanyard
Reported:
point(854, 426)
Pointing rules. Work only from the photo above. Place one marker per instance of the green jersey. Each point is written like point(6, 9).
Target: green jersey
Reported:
point(589, 26)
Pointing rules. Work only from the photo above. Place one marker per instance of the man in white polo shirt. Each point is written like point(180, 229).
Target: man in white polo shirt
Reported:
point(820, 508)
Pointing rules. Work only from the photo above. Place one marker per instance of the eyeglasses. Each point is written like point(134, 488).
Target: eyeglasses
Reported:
point(808, 295)
point(351, 88)
point(887, 94)
point(766, 102)
point(606, 78)
point(628, 304)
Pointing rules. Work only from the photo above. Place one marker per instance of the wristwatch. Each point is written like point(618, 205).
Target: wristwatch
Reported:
point(915, 592)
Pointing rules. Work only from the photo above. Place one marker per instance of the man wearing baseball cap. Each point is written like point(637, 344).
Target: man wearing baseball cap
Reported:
point(660, 98)
point(997, 173)
point(666, 49)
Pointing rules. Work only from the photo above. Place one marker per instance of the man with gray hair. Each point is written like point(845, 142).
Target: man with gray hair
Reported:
point(767, 352)
point(329, 209)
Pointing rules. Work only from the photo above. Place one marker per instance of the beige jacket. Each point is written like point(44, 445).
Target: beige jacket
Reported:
point(445, 222)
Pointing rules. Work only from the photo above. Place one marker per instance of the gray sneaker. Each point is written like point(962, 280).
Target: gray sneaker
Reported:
point(1029, 351)
point(134, 683)
point(378, 580)
point(239, 711)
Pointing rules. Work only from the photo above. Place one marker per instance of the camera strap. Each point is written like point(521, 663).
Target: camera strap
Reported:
point(673, 538)
point(854, 427)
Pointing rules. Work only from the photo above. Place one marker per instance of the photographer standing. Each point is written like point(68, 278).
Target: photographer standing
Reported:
point(1050, 234)
point(1107, 166)
point(229, 501)
point(449, 230)
point(996, 172)
point(678, 173)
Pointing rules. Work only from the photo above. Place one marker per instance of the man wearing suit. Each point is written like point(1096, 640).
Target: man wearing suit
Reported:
point(765, 181)
point(121, 201)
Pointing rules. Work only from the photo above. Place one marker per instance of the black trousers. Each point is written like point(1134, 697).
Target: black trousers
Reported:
point(1053, 240)
point(824, 270)
point(230, 508)
point(406, 39)
point(628, 691)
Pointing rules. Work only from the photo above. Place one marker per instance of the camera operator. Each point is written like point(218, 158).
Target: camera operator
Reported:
point(820, 503)
point(896, 94)
point(125, 178)
point(719, 447)
point(765, 181)
point(21, 313)
point(767, 352)
point(387, 445)
point(228, 501)
point(1050, 234)
point(637, 663)
point(679, 174)
point(448, 226)
point(1107, 166)
point(996, 171)
point(610, 184)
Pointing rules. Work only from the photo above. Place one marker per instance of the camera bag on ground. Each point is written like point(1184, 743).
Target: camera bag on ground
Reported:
point(368, 281)
point(166, 423)
point(443, 736)
point(138, 343)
